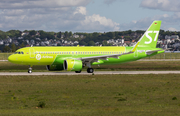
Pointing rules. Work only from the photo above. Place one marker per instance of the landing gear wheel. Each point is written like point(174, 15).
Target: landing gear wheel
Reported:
point(78, 71)
point(29, 71)
point(90, 70)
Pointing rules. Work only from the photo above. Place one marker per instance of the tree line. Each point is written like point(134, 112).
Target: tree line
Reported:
point(88, 39)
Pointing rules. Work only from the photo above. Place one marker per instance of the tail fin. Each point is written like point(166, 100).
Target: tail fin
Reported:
point(150, 37)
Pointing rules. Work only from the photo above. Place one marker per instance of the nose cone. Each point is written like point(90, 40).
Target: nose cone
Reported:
point(11, 58)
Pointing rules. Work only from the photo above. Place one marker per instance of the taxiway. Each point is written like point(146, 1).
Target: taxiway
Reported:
point(85, 73)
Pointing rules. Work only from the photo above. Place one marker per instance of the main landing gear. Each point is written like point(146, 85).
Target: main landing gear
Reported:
point(90, 70)
point(30, 69)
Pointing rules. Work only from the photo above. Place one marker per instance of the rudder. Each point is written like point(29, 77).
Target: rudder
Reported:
point(150, 37)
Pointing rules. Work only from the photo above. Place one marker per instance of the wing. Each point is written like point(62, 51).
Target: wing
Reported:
point(105, 57)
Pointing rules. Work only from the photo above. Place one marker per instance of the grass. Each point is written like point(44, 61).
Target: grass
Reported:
point(131, 66)
point(95, 95)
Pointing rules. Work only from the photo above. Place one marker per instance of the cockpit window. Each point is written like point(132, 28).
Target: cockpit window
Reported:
point(19, 52)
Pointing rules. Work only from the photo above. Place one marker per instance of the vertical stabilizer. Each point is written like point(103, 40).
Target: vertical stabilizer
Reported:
point(150, 37)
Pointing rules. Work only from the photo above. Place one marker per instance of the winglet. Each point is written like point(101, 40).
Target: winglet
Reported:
point(135, 47)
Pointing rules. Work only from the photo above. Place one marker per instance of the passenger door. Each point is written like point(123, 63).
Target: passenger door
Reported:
point(31, 53)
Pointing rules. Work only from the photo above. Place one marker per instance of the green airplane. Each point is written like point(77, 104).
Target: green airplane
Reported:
point(75, 58)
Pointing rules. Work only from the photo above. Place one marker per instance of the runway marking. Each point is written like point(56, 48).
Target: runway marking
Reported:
point(85, 73)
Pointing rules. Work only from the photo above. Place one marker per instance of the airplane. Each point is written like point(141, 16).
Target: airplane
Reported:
point(75, 58)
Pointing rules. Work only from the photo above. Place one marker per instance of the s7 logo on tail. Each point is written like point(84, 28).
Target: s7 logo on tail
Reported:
point(150, 38)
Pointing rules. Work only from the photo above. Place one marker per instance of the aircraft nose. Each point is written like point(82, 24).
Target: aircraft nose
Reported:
point(10, 58)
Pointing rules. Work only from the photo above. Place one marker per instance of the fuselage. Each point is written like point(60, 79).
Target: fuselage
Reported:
point(50, 55)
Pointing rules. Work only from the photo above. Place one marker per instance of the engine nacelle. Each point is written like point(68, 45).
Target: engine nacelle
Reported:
point(72, 65)
point(55, 67)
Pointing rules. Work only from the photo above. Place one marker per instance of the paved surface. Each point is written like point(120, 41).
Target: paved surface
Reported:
point(95, 73)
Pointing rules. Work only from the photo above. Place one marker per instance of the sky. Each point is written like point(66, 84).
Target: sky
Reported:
point(88, 15)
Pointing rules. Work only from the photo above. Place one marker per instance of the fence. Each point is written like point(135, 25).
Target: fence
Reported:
point(4, 56)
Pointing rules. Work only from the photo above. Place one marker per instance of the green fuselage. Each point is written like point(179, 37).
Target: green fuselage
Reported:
point(57, 55)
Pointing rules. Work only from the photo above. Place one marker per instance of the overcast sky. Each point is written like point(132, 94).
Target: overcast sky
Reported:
point(88, 15)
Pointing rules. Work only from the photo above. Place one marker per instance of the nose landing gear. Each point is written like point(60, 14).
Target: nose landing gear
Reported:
point(30, 69)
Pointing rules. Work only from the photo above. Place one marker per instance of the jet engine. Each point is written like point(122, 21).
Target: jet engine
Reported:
point(72, 65)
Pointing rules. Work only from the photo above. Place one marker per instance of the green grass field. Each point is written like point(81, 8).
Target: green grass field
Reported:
point(93, 95)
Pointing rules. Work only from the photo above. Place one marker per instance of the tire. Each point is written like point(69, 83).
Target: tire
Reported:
point(90, 70)
point(78, 71)
point(29, 71)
